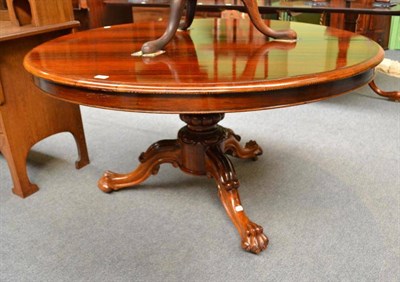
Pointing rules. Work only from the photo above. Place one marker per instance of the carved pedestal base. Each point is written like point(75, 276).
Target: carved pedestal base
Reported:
point(201, 149)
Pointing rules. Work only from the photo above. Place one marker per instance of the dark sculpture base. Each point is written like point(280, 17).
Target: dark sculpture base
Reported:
point(201, 149)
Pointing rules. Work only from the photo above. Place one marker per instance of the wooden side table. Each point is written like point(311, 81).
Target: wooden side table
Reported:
point(26, 115)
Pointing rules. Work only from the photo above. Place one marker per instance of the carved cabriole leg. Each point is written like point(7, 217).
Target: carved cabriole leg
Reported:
point(176, 11)
point(255, 17)
point(221, 169)
point(252, 234)
point(232, 147)
point(189, 15)
point(393, 95)
point(165, 151)
point(204, 129)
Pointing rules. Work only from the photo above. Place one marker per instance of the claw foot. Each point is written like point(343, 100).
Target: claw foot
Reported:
point(254, 240)
point(232, 147)
point(251, 234)
point(253, 146)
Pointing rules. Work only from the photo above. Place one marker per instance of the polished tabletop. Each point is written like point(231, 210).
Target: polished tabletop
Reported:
point(267, 6)
point(224, 58)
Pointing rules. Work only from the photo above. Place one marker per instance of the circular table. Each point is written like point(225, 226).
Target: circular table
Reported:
point(219, 66)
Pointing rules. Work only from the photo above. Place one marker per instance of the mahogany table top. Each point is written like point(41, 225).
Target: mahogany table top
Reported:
point(268, 6)
point(220, 65)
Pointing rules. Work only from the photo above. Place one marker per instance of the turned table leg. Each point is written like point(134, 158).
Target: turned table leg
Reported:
point(200, 149)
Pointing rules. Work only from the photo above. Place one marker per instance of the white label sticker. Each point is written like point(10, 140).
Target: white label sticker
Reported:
point(238, 208)
point(101, 76)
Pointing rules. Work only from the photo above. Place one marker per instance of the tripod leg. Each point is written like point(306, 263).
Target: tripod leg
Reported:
point(189, 15)
point(255, 17)
point(221, 169)
point(176, 10)
point(165, 151)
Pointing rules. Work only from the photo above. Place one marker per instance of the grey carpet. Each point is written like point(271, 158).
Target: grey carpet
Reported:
point(326, 192)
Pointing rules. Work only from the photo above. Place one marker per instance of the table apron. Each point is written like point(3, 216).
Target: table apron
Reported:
point(204, 103)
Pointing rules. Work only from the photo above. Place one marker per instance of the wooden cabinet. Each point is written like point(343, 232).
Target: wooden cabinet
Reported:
point(28, 115)
point(372, 26)
point(143, 14)
point(39, 12)
point(94, 13)
point(375, 27)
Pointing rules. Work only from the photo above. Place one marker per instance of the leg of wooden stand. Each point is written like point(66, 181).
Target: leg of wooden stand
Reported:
point(189, 15)
point(176, 11)
point(393, 95)
point(80, 140)
point(255, 17)
point(16, 157)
